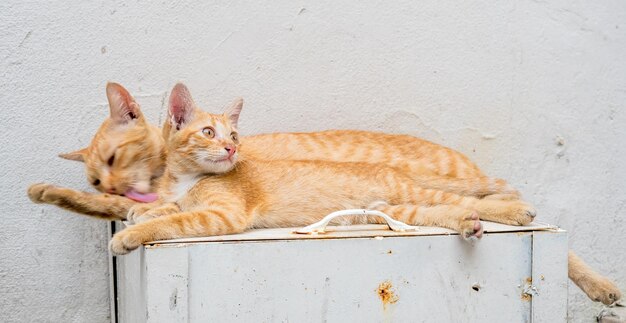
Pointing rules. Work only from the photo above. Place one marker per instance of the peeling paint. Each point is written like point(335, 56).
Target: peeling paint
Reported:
point(173, 299)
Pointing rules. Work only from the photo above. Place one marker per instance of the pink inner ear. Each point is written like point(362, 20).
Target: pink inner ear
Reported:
point(122, 105)
point(178, 115)
point(181, 105)
point(234, 110)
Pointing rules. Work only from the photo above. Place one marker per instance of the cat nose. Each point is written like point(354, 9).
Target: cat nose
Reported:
point(111, 190)
point(230, 149)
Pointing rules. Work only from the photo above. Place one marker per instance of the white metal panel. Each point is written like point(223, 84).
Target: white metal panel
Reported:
point(549, 279)
point(167, 284)
point(428, 278)
point(112, 273)
point(131, 287)
point(336, 280)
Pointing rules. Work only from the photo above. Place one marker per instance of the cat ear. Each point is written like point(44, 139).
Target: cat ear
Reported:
point(181, 106)
point(122, 105)
point(78, 155)
point(233, 111)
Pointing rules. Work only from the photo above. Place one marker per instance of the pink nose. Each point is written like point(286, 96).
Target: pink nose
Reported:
point(231, 150)
point(111, 190)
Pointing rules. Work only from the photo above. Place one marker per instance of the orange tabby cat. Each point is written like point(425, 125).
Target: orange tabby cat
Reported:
point(127, 153)
point(419, 156)
point(206, 190)
point(125, 157)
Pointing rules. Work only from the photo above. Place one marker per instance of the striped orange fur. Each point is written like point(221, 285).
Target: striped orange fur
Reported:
point(127, 152)
point(207, 190)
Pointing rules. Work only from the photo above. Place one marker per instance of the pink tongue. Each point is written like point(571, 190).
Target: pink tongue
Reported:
point(141, 197)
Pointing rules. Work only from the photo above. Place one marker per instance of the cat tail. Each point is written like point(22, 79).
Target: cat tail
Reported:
point(597, 287)
point(101, 206)
point(475, 186)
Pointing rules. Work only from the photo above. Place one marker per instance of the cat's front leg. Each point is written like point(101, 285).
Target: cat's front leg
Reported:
point(214, 221)
point(144, 212)
point(104, 206)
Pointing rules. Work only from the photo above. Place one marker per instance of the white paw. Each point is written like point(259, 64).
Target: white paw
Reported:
point(124, 242)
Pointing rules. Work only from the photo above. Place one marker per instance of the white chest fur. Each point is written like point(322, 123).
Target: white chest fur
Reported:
point(180, 188)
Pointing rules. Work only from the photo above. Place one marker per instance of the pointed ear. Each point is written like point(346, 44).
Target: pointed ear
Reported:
point(78, 155)
point(122, 105)
point(233, 111)
point(181, 106)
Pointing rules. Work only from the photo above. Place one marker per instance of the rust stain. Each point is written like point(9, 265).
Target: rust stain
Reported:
point(387, 293)
point(527, 297)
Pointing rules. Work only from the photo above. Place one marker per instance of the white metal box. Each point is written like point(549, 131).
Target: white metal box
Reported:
point(349, 274)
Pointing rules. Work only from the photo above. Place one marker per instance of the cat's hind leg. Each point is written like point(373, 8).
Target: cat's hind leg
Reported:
point(502, 211)
point(103, 206)
point(462, 220)
point(505, 212)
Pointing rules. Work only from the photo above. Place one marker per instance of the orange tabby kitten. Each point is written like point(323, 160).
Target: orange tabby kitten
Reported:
point(207, 190)
point(418, 157)
point(125, 157)
point(127, 153)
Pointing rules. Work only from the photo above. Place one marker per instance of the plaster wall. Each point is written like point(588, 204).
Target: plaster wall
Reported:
point(533, 91)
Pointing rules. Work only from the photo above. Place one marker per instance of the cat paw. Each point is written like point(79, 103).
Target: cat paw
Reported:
point(36, 192)
point(522, 213)
point(601, 289)
point(138, 213)
point(471, 228)
point(124, 242)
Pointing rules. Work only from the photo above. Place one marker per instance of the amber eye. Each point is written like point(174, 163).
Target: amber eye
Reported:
point(234, 136)
point(209, 132)
point(96, 182)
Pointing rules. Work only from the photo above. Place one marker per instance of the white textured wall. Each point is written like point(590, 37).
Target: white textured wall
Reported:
point(534, 92)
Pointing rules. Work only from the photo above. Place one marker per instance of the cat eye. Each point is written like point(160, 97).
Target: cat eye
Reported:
point(209, 132)
point(111, 160)
point(96, 182)
point(234, 136)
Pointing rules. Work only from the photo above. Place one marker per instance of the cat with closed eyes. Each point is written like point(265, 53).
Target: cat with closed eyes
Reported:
point(126, 137)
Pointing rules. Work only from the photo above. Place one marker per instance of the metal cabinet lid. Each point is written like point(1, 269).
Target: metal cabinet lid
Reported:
point(377, 231)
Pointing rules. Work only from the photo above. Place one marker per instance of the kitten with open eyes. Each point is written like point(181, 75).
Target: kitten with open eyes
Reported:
point(433, 164)
point(207, 190)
